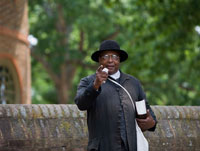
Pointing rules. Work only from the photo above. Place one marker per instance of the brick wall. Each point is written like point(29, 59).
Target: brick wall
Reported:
point(14, 46)
point(64, 128)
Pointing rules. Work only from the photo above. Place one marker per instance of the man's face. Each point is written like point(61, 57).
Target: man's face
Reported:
point(110, 60)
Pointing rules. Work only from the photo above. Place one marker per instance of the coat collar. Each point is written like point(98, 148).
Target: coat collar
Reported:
point(123, 77)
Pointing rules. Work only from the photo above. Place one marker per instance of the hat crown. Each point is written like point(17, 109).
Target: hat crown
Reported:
point(112, 46)
point(109, 45)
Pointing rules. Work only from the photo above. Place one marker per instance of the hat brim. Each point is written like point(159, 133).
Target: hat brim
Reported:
point(123, 55)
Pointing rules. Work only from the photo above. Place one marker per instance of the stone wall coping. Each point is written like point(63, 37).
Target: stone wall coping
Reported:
point(27, 111)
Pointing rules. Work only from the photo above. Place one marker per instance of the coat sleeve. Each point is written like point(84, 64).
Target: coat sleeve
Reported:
point(86, 94)
point(142, 96)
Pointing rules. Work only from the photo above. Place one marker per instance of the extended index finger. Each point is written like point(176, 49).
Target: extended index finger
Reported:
point(100, 68)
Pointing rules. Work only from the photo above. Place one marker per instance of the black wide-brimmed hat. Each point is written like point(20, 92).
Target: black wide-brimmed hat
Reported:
point(109, 45)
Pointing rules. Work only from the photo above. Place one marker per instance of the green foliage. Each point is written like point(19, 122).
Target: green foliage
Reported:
point(163, 47)
point(43, 91)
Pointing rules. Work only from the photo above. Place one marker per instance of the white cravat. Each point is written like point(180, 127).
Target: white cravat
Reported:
point(115, 75)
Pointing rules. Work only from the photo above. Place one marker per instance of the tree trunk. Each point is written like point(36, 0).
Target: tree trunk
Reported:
point(62, 92)
point(64, 85)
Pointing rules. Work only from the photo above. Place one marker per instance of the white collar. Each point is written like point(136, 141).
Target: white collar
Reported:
point(115, 75)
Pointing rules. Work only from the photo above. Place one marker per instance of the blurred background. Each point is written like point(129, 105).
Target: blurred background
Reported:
point(162, 39)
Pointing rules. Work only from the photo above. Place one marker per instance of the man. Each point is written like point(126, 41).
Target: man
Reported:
point(110, 114)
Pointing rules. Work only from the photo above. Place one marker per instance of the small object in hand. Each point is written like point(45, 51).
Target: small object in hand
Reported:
point(141, 109)
point(105, 70)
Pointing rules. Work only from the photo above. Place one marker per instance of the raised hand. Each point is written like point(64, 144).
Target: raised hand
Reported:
point(101, 76)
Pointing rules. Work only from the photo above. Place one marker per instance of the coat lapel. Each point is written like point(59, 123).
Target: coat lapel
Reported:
point(123, 77)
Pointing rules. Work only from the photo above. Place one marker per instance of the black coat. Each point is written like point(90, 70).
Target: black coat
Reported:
point(103, 108)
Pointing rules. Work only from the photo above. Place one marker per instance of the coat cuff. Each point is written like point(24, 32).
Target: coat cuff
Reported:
point(153, 128)
point(91, 90)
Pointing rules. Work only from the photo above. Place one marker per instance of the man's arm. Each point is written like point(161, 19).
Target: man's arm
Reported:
point(86, 94)
point(150, 122)
point(89, 89)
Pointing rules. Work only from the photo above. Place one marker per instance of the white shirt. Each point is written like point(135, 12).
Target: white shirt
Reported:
point(115, 75)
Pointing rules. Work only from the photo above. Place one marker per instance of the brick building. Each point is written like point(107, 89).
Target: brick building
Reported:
point(15, 82)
